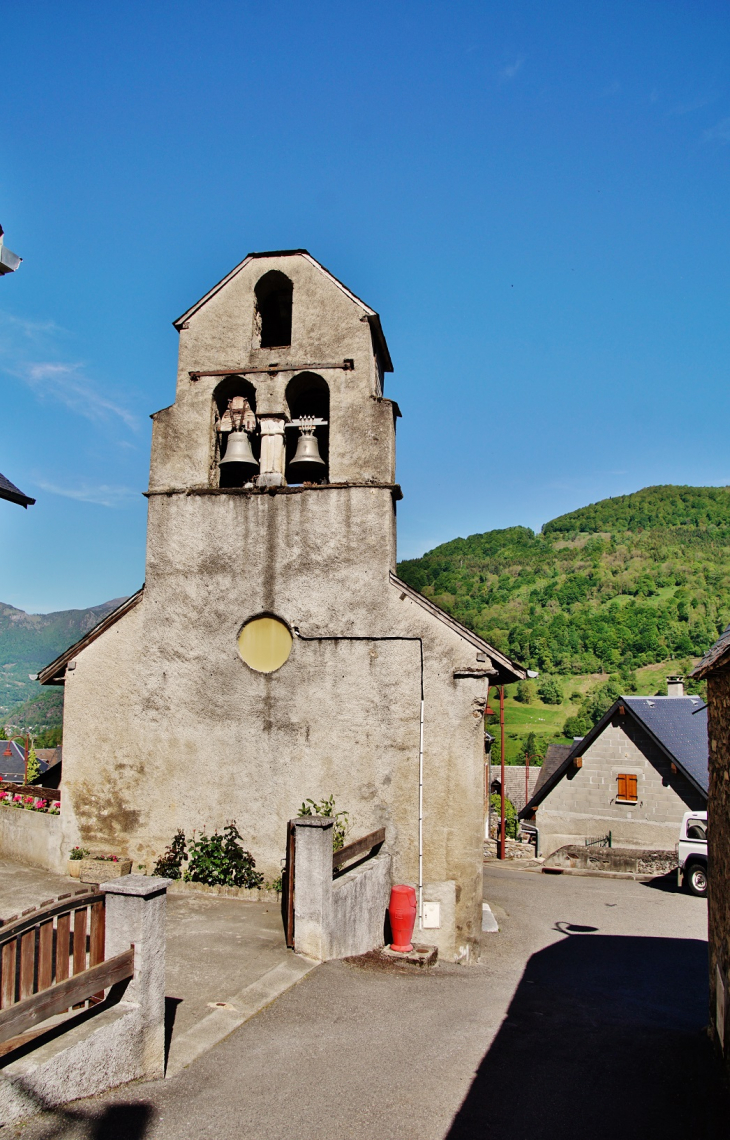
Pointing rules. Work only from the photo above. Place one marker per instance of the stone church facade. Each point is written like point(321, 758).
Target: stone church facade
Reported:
point(272, 654)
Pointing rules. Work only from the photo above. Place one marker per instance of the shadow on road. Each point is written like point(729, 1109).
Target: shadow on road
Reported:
point(603, 1039)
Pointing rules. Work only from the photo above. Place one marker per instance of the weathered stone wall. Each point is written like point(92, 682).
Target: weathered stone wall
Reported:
point(718, 841)
point(583, 804)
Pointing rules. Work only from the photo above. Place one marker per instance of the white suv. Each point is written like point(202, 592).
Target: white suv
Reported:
point(692, 853)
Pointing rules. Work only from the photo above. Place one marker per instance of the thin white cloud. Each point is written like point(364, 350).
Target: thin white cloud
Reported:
point(100, 494)
point(510, 70)
point(30, 350)
point(719, 133)
point(66, 382)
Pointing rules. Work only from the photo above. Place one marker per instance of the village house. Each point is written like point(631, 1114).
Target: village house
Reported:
point(715, 669)
point(634, 776)
point(272, 654)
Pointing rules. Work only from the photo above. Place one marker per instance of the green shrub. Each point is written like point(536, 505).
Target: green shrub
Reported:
point(326, 808)
point(221, 860)
point(549, 691)
point(511, 823)
point(34, 766)
point(524, 693)
point(169, 865)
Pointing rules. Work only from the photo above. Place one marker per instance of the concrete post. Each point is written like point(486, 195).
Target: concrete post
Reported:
point(313, 886)
point(135, 913)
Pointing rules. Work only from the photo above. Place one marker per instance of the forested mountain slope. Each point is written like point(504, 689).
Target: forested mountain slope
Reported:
point(625, 582)
point(30, 641)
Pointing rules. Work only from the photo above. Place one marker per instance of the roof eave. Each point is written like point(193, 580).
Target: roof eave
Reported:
point(514, 671)
point(55, 672)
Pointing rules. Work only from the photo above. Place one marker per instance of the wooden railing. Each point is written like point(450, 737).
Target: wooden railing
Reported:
point(36, 790)
point(359, 847)
point(51, 960)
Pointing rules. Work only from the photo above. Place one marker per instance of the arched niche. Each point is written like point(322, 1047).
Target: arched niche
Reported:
point(274, 292)
point(230, 475)
point(308, 394)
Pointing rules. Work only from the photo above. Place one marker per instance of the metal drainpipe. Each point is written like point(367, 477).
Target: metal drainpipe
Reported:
point(365, 637)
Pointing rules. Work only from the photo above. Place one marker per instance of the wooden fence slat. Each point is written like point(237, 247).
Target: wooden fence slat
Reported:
point(63, 935)
point(9, 955)
point(45, 955)
point(79, 941)
point(27, 963)
point(96, 940)
point(22, 1016)
point(359, 847)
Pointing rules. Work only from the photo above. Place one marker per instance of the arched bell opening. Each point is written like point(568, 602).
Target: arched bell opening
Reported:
point(274, 292)
point(237, 450)
point(307, 446)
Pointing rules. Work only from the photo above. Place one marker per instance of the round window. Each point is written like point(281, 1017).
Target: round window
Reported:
point(265, 644)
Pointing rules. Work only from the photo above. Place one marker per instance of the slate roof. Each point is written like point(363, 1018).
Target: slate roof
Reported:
point(13, 767)
point(715, 658)
point(678, 725)
point(554, 757)
point(13, 494)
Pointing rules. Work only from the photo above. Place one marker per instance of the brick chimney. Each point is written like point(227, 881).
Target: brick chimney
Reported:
point(675, 686)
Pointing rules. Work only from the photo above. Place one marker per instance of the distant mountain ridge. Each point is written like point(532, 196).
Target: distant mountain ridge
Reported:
point(30, 641)
point(621, 583)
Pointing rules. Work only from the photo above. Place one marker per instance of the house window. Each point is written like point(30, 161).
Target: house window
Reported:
point(626, 789)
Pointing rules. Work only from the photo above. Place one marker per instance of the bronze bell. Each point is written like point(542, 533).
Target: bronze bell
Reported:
point(238, 450)
point(307, 449)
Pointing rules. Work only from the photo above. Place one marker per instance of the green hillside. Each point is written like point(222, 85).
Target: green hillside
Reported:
point(27, 643)
point(620, 584)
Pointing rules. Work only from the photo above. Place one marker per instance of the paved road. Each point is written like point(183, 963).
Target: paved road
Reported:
point(584, 1020)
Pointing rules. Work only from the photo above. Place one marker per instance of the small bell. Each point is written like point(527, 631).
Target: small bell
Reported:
point(238, 450)
point(307, 449)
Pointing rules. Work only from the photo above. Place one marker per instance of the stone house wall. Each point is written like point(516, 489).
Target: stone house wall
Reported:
point(718, 843)
point(584, 802)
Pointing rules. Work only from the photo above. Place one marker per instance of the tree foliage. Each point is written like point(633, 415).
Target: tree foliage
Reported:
point(620, 584)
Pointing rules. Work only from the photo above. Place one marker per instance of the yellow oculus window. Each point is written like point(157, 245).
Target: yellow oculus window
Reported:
point(265, 644)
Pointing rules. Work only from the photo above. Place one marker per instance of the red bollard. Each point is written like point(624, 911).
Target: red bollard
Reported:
point(402, 911)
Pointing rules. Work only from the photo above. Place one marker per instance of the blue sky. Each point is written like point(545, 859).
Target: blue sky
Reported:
point(534, 195)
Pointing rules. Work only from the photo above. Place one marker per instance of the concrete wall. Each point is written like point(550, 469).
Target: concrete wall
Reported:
point(718, 850)
point(342, 917)
point(185, 735)
point(33, 837)
point(123, 1043)
point(584, 802)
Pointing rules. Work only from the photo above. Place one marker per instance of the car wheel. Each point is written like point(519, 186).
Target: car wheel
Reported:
point(696, 880)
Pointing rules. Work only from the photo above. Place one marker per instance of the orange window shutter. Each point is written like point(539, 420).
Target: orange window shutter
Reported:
point(631, 780)
point(622, 788)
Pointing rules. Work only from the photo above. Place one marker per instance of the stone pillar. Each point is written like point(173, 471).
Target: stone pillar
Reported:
point(273, 451)
point(313, 886)
point(135, 914)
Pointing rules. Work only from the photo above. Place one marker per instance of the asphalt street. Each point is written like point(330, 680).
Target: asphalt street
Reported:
point(584, 1018)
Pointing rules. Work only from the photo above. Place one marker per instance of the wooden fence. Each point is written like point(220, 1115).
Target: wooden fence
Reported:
point(52, 960)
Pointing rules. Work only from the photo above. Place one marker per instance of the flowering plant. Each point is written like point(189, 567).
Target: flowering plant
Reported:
point(30, 803)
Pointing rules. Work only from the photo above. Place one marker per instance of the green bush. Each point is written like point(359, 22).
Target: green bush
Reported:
point(217, 860)
point(34, 766)
point(326, 808)
point(524, 692)
point(169, 865)
point(511, 823)
point(221, 860)
point(549, 691)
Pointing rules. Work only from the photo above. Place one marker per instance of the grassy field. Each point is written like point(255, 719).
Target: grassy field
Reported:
point(548, 720)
